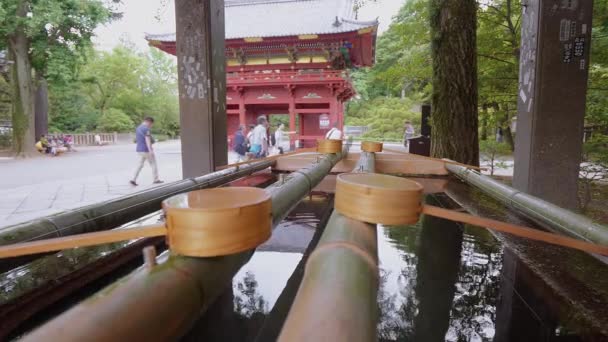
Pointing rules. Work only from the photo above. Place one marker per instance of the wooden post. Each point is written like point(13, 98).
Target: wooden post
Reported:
point(202, 85)
point(554, 66)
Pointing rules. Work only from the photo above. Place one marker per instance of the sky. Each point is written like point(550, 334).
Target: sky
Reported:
point(158, 16)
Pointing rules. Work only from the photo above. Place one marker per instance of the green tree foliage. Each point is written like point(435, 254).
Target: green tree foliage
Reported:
point(403, 61)
point(135, 84)
point(385, 117)
point(491, 152)
point(498, 40)
point(403, 66)
point(46, 38)
point(114, 120)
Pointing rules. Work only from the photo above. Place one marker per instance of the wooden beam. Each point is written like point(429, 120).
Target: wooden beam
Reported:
point(202, 85)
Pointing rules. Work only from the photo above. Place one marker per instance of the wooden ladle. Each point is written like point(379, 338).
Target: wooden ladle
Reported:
point(383, 199)
point(203, 223)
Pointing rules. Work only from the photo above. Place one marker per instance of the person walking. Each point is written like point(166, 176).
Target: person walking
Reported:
point(240, 144)
point(259, 138)
point(408, 133)
point(278, 137)
point(144, 141)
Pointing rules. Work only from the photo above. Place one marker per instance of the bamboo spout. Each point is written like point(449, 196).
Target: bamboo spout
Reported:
point(383, 199)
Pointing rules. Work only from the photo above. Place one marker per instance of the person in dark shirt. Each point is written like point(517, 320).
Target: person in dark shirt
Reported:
point(240, 143)
point(144, 141)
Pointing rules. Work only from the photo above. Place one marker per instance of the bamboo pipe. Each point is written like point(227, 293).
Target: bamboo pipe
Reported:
point(113, 213)
point(542, 212)
point(525, 232)
point(81, 240)
point(390, 200)
point(336, 300)
point(161, 304)
point(270, 158)
point(437, 159)
point(191, 228)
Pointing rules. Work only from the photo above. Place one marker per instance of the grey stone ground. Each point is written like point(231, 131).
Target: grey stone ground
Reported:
point(45, 185)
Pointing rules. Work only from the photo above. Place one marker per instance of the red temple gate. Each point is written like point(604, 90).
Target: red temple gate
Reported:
point(290, 57)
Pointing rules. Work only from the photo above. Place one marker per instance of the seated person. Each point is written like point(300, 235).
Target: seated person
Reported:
point(52, 149)
point(43, 145)
point(39, 147)
point(69, 143)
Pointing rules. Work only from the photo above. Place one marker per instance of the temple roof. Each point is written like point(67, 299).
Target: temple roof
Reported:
point(279, 18)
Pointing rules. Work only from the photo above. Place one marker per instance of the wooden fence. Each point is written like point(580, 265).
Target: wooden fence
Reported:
point(89, 138)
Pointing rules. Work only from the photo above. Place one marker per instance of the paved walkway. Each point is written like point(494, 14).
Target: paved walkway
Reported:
point(45, 185)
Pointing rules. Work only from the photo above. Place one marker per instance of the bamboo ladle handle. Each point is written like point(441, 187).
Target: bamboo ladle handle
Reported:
point(438, 160)
point(525, 232)
point(81, 240)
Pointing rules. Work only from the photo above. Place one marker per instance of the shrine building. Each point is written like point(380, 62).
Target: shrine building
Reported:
point(290, 57)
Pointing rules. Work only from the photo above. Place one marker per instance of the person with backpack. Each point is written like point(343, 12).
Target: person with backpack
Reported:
point(240, 144)
point(259, 138)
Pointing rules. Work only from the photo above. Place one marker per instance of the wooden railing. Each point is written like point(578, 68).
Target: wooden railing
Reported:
point(286, 76)
point(89, 138)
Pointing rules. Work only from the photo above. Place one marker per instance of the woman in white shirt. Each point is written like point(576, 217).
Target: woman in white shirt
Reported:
point(334, 133)
point(278, 137)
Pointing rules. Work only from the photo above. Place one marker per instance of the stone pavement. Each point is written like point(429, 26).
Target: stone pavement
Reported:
point(45, 185)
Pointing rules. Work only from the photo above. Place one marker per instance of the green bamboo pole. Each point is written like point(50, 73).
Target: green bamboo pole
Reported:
point(113, 213)
point(536, 209)
point(336, 300)
point(161, 303)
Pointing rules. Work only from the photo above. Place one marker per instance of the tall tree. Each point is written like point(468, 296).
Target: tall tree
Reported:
point(40, 33)
point(454, 97)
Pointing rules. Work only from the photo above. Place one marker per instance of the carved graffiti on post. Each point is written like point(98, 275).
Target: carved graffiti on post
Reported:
point(527, 65)
point(194, 81)
point(552, 92)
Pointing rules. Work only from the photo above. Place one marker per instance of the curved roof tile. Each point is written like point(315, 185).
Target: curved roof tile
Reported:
point(279, 18)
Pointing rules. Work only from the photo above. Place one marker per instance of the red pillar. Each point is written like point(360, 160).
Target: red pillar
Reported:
point(333, 110)
point(292, 120)
point(242, 117)
point(340, 114)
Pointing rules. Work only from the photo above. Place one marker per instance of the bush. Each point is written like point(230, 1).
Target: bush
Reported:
point(385, 117)
point(114, 120)
point(491, 152)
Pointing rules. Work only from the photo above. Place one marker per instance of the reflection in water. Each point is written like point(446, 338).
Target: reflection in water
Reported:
point(439, 281)
point(447, 283)
point(248, 301)
point(437, 269)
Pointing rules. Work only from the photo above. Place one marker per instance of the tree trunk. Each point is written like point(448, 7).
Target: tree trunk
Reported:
point(484, 122)
point(23, 114)
point(41, 117)
point(506, 128)
point(454, 97)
